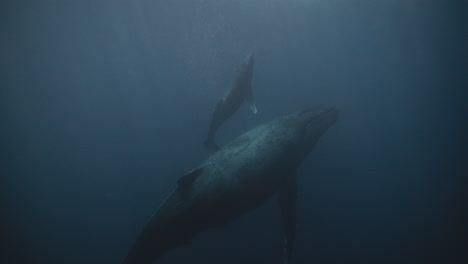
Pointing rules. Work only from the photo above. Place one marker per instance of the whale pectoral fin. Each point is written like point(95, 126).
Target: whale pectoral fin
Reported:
point(253, 107)
point(186, 181)
point(250, 99)
point(287, 199)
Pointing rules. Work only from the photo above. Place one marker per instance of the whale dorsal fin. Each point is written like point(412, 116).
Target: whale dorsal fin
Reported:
point(187, 180)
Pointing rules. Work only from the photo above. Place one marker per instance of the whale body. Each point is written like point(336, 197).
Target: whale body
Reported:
point(234, 181)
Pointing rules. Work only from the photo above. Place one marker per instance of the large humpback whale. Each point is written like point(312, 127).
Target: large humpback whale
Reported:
point(235, 180)
point(240, 91)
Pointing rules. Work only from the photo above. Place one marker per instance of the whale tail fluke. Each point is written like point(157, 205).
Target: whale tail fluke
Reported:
point(211, 145)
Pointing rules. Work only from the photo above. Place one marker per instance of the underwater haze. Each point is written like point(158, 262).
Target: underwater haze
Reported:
point(105, 104)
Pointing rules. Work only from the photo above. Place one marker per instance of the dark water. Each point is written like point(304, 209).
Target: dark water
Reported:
point(104, 104)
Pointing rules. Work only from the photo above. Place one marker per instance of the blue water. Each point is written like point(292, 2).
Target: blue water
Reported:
point(105, 104)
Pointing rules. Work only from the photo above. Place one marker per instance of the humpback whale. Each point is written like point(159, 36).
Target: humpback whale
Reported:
point(240, 91)
point(234, 181)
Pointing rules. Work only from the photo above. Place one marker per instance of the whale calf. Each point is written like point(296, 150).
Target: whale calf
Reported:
point(240, 91)
point(235, 180)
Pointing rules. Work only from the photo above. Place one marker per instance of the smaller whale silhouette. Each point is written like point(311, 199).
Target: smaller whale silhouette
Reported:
point(240, 91)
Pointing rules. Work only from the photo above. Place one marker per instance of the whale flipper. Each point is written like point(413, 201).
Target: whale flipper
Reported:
point(250, 99)
point(253, 108)
point(287, 199)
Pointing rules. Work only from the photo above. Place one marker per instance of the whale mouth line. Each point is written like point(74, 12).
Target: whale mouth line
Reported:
point(322, 113)
point(327, 116)
point(330, 111)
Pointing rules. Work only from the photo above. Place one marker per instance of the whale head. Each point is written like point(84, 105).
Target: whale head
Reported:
point(310, 124)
